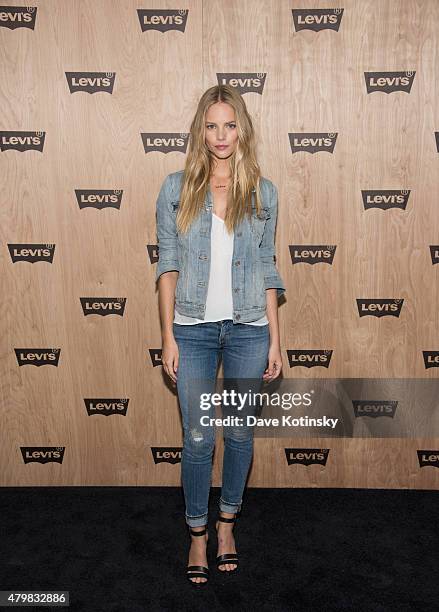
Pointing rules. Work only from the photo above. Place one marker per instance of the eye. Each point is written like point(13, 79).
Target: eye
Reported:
point(231, 125)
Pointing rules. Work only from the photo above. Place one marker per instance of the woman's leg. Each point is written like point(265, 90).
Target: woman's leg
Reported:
point(196, 374)
point(245, 356)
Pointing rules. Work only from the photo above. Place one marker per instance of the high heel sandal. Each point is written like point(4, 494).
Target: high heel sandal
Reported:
point(197, 571)
point(227, 557)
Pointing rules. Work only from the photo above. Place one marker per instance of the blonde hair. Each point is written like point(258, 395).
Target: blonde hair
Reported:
point(244, 168)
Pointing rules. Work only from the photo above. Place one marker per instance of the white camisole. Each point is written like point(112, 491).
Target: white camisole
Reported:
point(219, 303)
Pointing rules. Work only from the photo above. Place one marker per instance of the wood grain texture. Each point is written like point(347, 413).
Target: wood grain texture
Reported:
point(315, 83)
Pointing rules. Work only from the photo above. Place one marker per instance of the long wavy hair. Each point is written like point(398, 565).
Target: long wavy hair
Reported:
point(244, 168)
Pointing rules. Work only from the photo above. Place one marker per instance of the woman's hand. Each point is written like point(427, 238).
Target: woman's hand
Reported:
point(274, 363)
point(170, 357)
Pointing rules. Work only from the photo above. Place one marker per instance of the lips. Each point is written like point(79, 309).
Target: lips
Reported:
point(221, 146)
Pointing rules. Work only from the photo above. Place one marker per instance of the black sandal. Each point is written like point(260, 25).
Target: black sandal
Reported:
point(197, 571)
point(227, 557)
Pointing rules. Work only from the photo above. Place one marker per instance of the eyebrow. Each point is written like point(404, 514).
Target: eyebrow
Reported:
point(231, 121)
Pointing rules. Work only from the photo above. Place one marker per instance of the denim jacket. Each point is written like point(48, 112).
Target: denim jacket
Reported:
point(253, 263)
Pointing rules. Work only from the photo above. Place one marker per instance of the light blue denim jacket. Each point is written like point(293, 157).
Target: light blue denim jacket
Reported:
point(253, 262)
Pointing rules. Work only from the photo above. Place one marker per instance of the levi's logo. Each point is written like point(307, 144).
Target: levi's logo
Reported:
point(388, 82)
point(31, 252)
point(99, 198)
point(307, 456)
point(312, 142)
point(153, 252)
point(37, 356)
point(434, 252)
point(106, 406)
point(42, 454)
point(431, 359)
point(103, 305)
point(162, 20)
point(22, 141)
point(385, 198)
point(165, 142)
point(428, 457)
point(312, 253)
point(309, 358)
point(14, 17)
point(317, 19)
point(379, 307)
point(90, 82)
point(166, 454)
point(375, 408)
point(244, 82)
point(156, 357)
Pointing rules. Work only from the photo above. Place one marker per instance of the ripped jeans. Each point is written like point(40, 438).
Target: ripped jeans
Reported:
point(244, 350)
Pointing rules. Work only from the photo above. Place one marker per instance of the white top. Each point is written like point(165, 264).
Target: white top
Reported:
point(219, 303)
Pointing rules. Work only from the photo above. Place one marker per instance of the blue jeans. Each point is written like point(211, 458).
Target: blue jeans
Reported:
point(244, 349)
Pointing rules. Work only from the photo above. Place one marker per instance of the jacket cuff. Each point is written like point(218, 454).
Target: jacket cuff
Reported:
point(274, 281)
point(166, 266)
point(272, 278)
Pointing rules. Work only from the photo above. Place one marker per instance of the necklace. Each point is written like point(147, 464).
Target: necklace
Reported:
point(222, 186)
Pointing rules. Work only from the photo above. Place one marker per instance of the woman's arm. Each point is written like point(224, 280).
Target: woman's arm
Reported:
point(267, 250)
point(166, 276)
point(167, 283)
point(274, 288)
point(274, 354)
point(170, 355)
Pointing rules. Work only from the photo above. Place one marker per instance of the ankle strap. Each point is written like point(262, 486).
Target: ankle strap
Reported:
point(198, 533)
point(223, 519)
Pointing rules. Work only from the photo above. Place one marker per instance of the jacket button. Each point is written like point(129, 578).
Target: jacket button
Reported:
point(238, 316)
point(237, 263)
point(236, 290)
point(239, 234)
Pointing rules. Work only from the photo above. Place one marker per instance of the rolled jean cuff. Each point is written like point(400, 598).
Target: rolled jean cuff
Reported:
point(196, 521)
point(231, 508)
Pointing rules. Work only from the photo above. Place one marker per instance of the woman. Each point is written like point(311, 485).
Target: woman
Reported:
point(218, 291)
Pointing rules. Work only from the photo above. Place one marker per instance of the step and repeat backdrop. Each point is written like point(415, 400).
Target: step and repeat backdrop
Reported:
point(97, 97)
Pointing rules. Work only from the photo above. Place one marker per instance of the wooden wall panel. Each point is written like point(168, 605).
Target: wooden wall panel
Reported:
point(314, 83)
